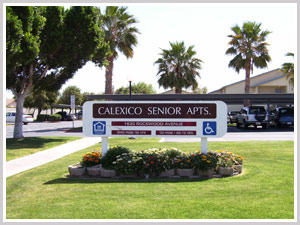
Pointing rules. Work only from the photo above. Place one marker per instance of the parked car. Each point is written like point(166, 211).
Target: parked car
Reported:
point(11, 117)
point(283, 116)
point(79, 115)
point(253, 115)
point(65, 116)
point(232, 116)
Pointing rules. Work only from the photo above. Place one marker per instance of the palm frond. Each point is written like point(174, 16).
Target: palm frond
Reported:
point(178, 68)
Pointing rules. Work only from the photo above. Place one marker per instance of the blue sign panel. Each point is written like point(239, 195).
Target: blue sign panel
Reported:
point(99, 127)
point(209, 128)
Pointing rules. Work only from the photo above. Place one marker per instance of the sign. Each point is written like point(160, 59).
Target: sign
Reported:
point(155, 119)
point(99, 128)
point(72, 102)
point(154, 110)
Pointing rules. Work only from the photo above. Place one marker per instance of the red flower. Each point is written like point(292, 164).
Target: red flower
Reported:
point(150, 157)
point(152, 162)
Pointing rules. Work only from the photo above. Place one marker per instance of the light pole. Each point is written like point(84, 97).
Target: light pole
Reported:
point(129, 77)
point(130, 91)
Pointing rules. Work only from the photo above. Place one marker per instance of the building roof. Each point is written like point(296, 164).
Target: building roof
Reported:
point(267, 81)
point(172, 91)
point(10, 103)
point(244, 80)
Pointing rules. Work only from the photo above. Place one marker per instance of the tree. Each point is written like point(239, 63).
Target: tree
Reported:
point(178, 67)
point(45, 46)
point(71, 90)
point(41, 99)
point(121, 36)
point(139, 88)
point(84, 96)
point(288, 68)
point(199, 90)
point(249, 47)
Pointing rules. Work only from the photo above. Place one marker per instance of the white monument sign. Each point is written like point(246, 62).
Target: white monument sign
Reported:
point(155, 119)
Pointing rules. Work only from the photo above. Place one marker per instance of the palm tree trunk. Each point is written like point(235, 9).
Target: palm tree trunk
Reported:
point(247, 102)
point(108, 76)
point(178, 91)
point(247, 78)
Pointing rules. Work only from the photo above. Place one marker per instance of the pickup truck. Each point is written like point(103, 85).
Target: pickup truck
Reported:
point(253, 115)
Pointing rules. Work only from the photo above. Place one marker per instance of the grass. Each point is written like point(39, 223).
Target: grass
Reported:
point(265, 189)
point(29, 145)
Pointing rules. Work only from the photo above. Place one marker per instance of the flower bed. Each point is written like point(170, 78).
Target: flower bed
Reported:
point(167, 162)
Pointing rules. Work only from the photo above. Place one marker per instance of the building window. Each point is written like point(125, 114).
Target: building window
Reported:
point(278, 90)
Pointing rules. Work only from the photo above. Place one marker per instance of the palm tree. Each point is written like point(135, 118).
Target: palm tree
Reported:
point(288, 68)
point(249, 46)
point(120, 35)
point(178, 68)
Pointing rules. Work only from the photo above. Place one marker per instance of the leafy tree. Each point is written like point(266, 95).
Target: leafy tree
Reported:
point(121, 36)
point(178, 67)
point(249, 47)
point(41, 100)
point(66, 95)
point(84, 95)
point(45, 46)
point(139, 88)
point(202, 90)
point(288, 68)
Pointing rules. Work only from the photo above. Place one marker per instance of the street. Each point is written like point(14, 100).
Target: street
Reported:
point(60, 128)
point(37, 129)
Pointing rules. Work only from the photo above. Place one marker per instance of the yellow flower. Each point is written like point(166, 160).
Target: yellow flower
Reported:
point(208, 161)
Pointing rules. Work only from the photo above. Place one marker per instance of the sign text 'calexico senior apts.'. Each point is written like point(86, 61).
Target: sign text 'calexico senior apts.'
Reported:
point(158, 110)
point(150, 119)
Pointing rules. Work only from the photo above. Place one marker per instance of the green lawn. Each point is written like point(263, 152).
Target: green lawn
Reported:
point(265, 189)
point(29, 145)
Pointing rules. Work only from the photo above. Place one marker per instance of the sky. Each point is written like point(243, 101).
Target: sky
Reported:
point(206, 26)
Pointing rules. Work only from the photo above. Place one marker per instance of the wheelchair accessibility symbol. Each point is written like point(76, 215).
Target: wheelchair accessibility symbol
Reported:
point(210, 128)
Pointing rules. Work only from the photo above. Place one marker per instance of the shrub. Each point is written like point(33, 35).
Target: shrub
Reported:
point(91, 159)
point(225, 158)
point(55, 117)
point(184, 161)
point(151, 161)
point(154, 161)
point(128, 164)
point(201, 161)
point(111, 156)
point(238, 160)
point(172, 152)
point(42, 117)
